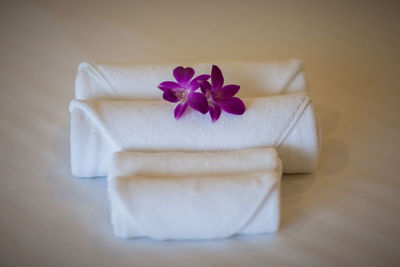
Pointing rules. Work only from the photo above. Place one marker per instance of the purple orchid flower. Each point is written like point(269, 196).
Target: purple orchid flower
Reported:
point(220, 96)
point(183, 91)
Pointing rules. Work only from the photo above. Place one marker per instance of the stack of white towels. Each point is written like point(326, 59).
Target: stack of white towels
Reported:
point(191, 178)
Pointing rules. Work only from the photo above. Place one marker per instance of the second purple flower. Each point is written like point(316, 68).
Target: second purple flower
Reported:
point(221, 96)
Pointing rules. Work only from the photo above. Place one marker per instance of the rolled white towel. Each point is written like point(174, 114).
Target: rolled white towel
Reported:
point(141, 81)
point(99, 128)
point(164, 201)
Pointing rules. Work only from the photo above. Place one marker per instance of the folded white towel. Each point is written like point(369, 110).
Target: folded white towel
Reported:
point(164, 201)
point(194, 163)
point(99, 128)
point(141, 81)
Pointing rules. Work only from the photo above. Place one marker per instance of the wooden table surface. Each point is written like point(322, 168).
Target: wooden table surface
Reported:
point(346, 213)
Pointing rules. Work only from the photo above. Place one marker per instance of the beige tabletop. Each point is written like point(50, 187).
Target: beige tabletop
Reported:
point(347, 213)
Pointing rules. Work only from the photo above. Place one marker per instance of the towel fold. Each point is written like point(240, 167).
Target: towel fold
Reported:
point(194, 163)
point(99, 128)
point(140, 81)
point(165, 201)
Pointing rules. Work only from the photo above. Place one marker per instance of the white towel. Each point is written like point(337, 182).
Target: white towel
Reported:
point(99, 128)
point(141, 81)
point(194, 163)
point(163, 200)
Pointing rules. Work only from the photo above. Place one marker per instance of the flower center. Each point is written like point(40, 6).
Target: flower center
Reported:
point(182, 94)
point(215, 96)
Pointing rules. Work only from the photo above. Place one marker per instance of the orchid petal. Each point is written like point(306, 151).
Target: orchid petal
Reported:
point(183, 75)
point(217, 79)
point(232, 105)
point(228, 90)
point(205, 86)
point(168, 85)
point(180, 109)
point(215, 112)
point(195, 83)
point(171, 96)
point(198, 101)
